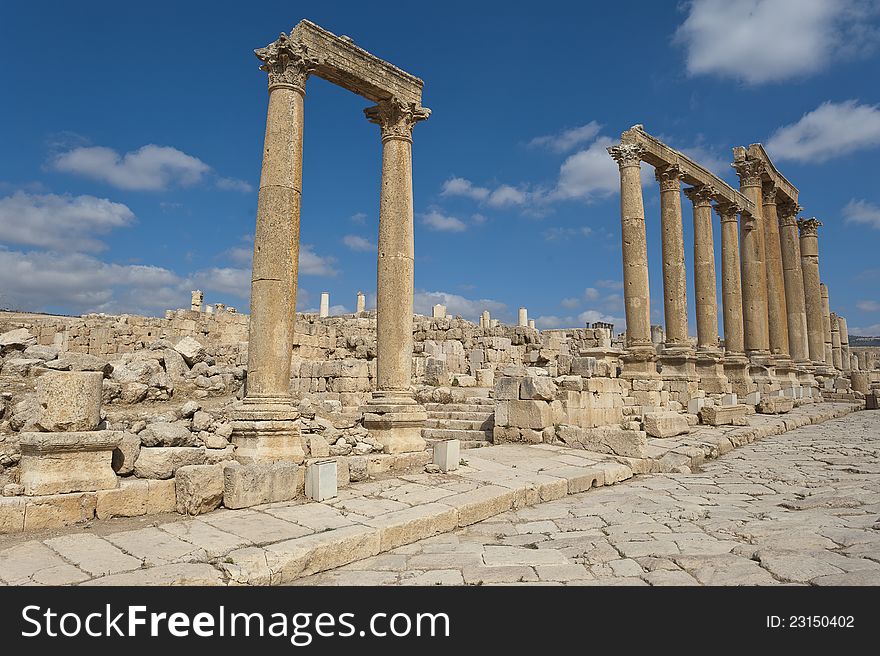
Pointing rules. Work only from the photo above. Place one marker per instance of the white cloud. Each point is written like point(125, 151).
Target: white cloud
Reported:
point(861, 211)
point(609, 284)
point(463, 187)
point(240, 254)
point(358, 243)
point(435, 220)
point(223, 280)
point(312, 264)
point(579, 321)
point(60, 222)
point(456, 305)
point(479, 219)
point(567, 139)
point(149, 168)
point(506, 196)
point(831, 130)
point(867, 331)
point(868, 306)
point(570, 303)
point(552, 234)
point(359, 218)
point(591, 173)
point(760, 41)
point(591, 293)
point(234, 184)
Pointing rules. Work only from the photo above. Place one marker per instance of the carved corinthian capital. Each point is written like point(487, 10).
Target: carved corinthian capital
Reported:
point(749, 172)
point(287, 63)
point(627, 154)
point(809, 227)
point(727, 211)
point(787, 211)
point(669, 177)
point(702, 195)
point(396, 118)
point(768, 194)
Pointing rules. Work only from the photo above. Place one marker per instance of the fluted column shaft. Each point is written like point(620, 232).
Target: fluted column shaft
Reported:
point(705, 297)
point(795, 302)
point(731, 289)
point(635, 249)
point(835, 342)
point(754, 272)
point(844, 344)
point(812, 288)
point(776, 304)
point(826, 325)
point(674, 275)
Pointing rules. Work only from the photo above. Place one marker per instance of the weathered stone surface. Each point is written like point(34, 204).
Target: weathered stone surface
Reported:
point(537, 388)
point(16, 340)
point(191, 350)
point(55, 463)
point(775, 405)
point(723, 415)
point(529, 414)
point(162, 462)
point(665, 424)
point(251, 485)
point(198, 488)
point(167, 434)
point(69, 401)
point(136, 497)
point(605, 439)
point(125, 454)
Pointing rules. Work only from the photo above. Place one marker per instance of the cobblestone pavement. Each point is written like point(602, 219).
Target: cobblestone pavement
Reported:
point(801, 508)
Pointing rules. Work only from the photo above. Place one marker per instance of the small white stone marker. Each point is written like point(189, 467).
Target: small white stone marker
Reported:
point(447, 455)
point(753, 398)
point(695, 405)
point(829, 383)
point(321, 480)
point(729, 399)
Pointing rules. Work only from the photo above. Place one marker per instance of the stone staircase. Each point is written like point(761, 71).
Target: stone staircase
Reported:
point(470, 419)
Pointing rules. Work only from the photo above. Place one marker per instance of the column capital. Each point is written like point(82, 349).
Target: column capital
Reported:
point(396, 118)
point(749, 172)
point(669, 177)
point(787, 211)
point(627, 154)
point(809, 227)
point(768, 193)
point(701, 196)
point(727, 211)
point(287, 62)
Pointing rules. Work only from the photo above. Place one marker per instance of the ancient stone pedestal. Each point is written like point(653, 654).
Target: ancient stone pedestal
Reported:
point(396, 420)
point(724, 415)
point(711, 373)
point(69, 400)
point(56, 463)
point(736, 368)
point(678, 371)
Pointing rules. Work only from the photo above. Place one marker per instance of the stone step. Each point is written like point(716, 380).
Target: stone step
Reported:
point(460, 424)
point(472, 416)
point(455, 434)
point(459, 407)
point(465, 444)
point(474, 392)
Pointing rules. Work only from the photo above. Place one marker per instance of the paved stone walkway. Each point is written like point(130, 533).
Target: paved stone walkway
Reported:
point(802, 508)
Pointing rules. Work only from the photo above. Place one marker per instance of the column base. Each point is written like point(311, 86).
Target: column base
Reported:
point(736, 368)
point(679, 374)
point(395, 420)
point(265, 430)
point(710, 371)
point(639, 363)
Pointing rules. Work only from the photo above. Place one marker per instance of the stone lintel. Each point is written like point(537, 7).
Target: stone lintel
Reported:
point(341, 62)
point(771, 174)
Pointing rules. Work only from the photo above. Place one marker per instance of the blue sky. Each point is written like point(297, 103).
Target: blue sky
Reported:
point(132, 137)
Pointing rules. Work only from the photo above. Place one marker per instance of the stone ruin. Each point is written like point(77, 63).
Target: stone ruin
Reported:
point(107, 416)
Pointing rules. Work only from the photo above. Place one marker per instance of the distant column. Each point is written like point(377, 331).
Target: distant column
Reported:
point(523, 319)
point(844, 344)
point(196, 301)
point(795, 300)
point(777, 315)
point(438, 311)
point(826, 325)
point(325, 305)
point(812, 289)
point(837, 355)
point(532, 324)
point(361, 303)
point(735, 362)
point(704, 268)
point(674, 276)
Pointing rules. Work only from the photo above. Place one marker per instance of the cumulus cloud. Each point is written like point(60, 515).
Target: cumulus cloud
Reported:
point(463, 187)
point(570, 303)
point(435, 220)
point(760, 41)
point(868, 306)
point(149, 168)
point(831, 130)
point(552, 234)
point(581, 320)
point(60, 221)
point(610, 284)
point(866, 331)
point(861, 211)
point(234, 184)
point(358, 243)
point(223, 280)
point(591, 293)
point(456, 304)
point(504, 195)
point(567, 139)
point(359, 217)
point(312, 264)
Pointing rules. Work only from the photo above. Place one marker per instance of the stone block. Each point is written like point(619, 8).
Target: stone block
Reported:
point(724, 415)
point(539, 389)
point(775, 405)
point(56, 463)
point(507, 388)
point(665, 424)
point(605, 439)
point(753, 398)
point(729, 399)
point(321, 480)
point(162, 462)
point(872, 401)
point(696, 404)
point(318, 446)
point(125, 454)
point(530, 414)
point(11, 514)
point(198, 488)
point(167, 434)
point(69, 401)
point(447, 455)
point(57, 510)
point(191, 350)
point(585, 367)
point(251, 485)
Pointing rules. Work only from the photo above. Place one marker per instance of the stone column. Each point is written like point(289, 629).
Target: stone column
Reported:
point(532, 324)
point(735, 361)
point(392, 416)
point(523, 318)
point(826, 325)
point(264, 427)
point(835, 342)
point(709, 361)
point(324, 311)
point(754, 272)
point(809, 243)
point(795, 302)
point(485, 319)
point(438, 311)
point(196, 300)
point(844, 344)
point(640, 354)
point(361, 303)
point(674, 276)
point(777, 313)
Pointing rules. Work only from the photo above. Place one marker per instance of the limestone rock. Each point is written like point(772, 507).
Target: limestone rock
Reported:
point(82, 362)
point(201, 421)
point(58, 463)
point(357, 468)
point(125, 454)
point(175, 365)
point(723, 415)
point(41, 352)
point(318, 447)
point(251, 485)
point(191, 350)
point(16, 340)
point(198, 488)
point(19, 366)
point(537, 388)
point(162, 462)
point(775, 405)
point(189, 409)
point(665, 424)
point(167, 434)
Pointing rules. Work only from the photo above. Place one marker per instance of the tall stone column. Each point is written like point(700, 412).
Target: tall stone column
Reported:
point(812, 290)
point(754, 272)
point(777, 314)
point(835, 342)
point(361, 303)
point(795, 303)
point(709, 360)
point(844, 344)
point(264, 427)
point(826, 325)
point(393, 416)
point(640, 354)
point(523, 318)
point(735, 362)
point(674, 276)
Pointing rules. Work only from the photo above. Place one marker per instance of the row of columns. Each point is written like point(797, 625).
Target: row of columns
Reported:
point(775, 308)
